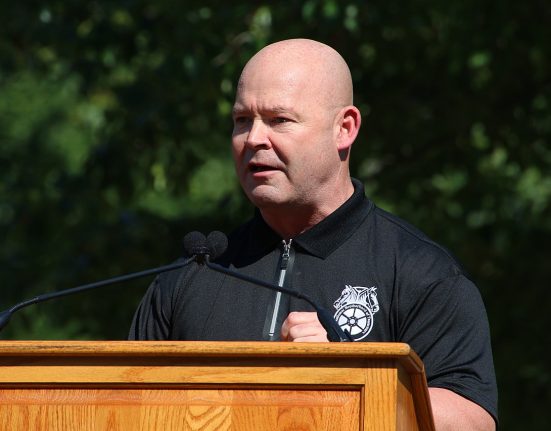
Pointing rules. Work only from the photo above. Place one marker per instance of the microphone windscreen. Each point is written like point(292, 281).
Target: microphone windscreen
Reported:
point(195, 243)
point(217, 243)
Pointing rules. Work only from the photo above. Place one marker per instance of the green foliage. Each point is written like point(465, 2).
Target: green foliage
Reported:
point(114, 142)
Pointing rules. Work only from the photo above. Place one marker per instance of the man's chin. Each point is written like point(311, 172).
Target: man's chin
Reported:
point(265, 196)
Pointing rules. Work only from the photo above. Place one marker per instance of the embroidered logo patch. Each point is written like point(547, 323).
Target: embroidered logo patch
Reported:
point(355, 309)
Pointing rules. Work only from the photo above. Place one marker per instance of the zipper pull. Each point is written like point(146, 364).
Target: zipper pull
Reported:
point(286, 253)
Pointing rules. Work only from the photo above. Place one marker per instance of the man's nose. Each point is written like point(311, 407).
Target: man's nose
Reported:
point(257, 135)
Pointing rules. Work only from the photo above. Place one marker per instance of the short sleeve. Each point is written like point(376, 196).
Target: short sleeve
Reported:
point(152, 319)
point(447, 326)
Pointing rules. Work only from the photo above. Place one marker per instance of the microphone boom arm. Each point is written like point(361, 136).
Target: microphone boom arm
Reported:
point(6, 315)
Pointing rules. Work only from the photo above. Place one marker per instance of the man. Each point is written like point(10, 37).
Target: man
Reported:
point(316, 232)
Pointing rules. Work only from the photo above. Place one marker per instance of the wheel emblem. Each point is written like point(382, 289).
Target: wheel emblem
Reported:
point(356, 319)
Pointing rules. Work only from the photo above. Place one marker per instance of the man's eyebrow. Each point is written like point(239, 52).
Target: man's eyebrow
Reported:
point(273, 110)
point(238, 109)
point(280, 109)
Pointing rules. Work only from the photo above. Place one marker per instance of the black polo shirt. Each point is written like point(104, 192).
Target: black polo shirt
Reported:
point(382, 279)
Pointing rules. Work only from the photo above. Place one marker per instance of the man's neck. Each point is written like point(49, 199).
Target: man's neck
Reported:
point(291, 220)
point(289, 223)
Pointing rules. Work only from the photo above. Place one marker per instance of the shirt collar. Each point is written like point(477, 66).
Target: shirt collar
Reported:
point(323, 238)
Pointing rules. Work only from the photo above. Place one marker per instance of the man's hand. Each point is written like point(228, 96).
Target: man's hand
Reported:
point(302, 326)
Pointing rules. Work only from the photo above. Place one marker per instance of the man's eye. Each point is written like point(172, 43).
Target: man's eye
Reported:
point(240, 120)
point(280, 120)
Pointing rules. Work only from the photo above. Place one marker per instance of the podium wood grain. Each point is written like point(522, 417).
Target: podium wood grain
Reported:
point(165, 386)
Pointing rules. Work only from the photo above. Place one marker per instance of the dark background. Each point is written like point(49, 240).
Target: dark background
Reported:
point(115, 142)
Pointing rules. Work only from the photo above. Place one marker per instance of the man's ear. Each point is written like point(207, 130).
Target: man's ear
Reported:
point(350, 120)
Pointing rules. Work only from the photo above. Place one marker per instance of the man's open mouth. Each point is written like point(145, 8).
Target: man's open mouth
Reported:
point(261, 168)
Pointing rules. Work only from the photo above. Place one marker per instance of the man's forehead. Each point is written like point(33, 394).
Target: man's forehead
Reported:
point(263, 106)
point(277, 92)
point(265, 77)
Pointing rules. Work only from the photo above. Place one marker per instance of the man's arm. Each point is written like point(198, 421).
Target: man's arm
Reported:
point(451, 411)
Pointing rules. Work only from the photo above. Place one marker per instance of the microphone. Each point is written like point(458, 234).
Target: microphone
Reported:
point(194, 241)
point(195, 245)
point(216, 244)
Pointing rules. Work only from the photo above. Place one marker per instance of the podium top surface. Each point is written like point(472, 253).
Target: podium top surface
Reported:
point(399, 351)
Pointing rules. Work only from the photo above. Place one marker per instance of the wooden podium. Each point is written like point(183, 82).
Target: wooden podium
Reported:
point(138, 385)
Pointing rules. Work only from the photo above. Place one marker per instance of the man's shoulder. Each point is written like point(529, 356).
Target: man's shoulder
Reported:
point(405, 243)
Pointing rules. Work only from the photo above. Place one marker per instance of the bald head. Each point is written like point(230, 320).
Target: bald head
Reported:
point(320, 68)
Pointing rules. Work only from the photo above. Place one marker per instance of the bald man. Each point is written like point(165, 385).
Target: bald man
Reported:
point(315, 231)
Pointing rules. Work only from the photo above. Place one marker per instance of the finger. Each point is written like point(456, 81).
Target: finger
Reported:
point(312, 339)
point(297, 318)
point(307, 332)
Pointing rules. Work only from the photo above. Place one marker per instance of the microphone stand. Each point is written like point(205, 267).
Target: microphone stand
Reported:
point(6, 315)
